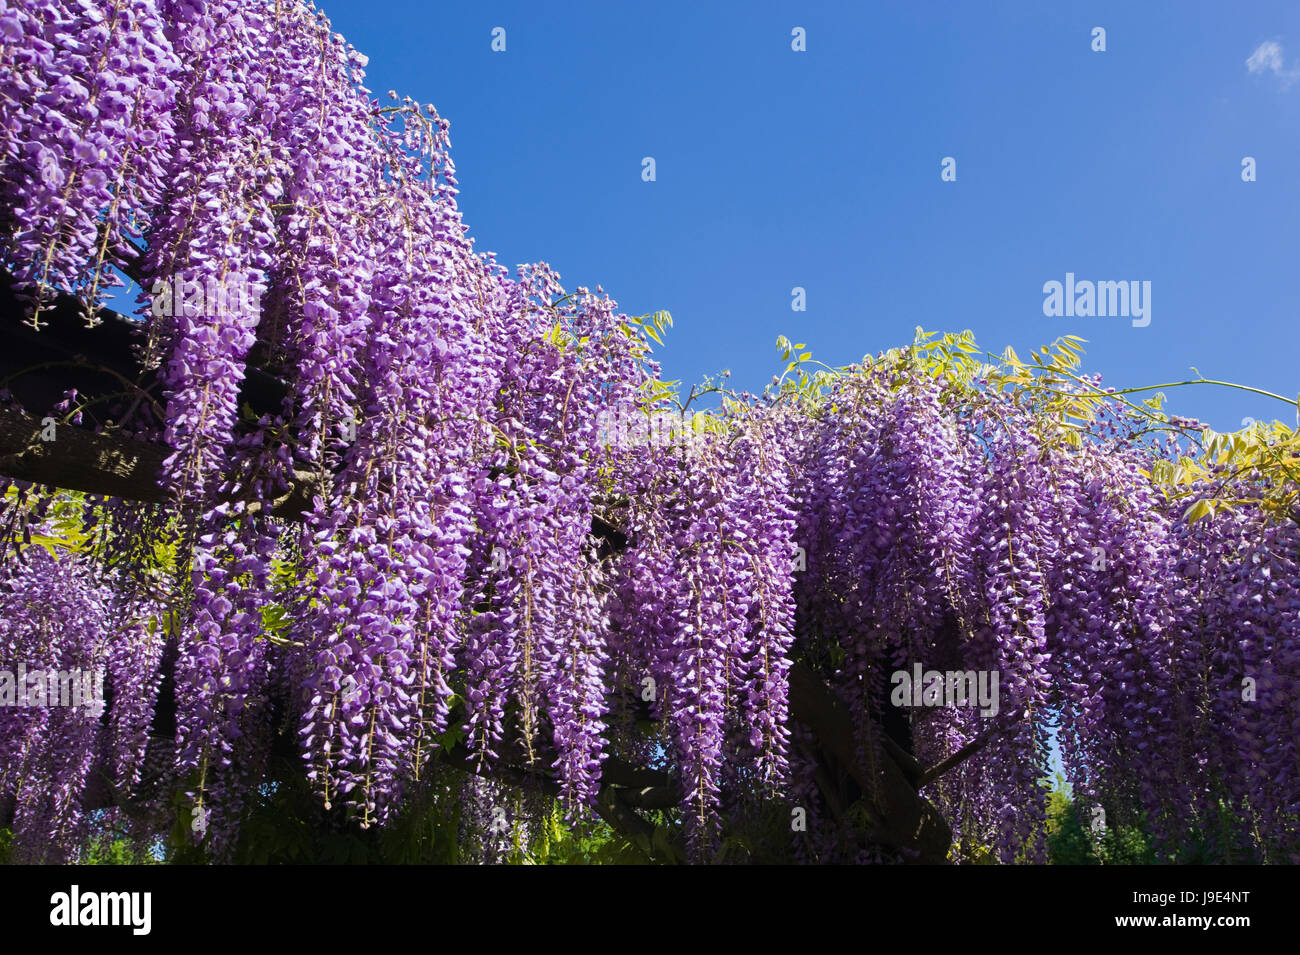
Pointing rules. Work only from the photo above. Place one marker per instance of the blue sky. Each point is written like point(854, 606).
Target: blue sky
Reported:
point(821, 169)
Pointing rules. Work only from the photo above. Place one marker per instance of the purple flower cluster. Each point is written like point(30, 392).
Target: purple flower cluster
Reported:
point(56, 619)
point(944, 527)
point(706, 611)
point(87, 122)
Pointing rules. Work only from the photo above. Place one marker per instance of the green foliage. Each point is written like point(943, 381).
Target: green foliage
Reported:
point(287, 824)
point(104, 846)
point(583, 843)
point(111, 848)
point(1068, 838)
point(644, 329)
point(1071, 840)
point(1263, 456)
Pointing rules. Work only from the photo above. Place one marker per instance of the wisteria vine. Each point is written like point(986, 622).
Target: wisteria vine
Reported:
point(432, 548)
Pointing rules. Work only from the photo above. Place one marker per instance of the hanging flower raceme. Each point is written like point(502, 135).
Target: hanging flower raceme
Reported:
point(58, 636)
point(87, 121)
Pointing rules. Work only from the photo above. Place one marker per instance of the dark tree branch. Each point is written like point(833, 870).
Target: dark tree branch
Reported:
point(912, 769)
point(79, 459)
point(108, 465)
point(906, 820)
point(967, 751)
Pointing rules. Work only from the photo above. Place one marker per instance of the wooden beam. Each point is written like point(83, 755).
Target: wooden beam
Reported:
point(79, 459)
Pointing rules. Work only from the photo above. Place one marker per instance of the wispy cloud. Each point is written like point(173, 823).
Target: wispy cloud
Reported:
point(1267, 58)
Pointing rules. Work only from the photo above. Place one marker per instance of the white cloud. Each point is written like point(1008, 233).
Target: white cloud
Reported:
point(1267, 58)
